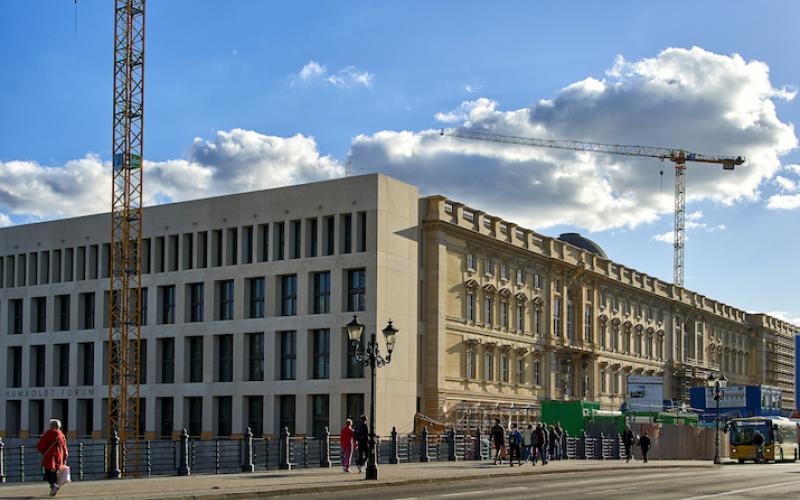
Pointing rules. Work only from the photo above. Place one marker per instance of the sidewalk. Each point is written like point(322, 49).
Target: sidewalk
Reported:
point(308, 481)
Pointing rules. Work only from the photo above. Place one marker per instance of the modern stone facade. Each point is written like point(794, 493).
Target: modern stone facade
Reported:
point(247, 296)
point(246, 300)
point(513, 317)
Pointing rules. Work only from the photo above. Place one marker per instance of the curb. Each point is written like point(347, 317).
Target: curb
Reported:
point(340, 487)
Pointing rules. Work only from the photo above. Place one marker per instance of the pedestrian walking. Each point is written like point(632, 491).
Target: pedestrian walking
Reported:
point(552, 442)
point(361, 435)
point(498, 436)
point(558, 440)
point(527, 443)
point(628, 440)
point(347, 441)
point(53, 447)
point(644, 444)
point(758, 442)
point(540, 436)
point(514, 445)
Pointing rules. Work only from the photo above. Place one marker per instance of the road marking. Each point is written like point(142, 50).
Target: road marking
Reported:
point(483, 492)
point(726, 493)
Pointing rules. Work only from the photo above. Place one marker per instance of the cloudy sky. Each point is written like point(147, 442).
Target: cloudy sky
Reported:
point(248, 95)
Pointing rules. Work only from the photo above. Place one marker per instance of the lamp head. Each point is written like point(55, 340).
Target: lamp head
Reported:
point(354, 330)
point(390, 334)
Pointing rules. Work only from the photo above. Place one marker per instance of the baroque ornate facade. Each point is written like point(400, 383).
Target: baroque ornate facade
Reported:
point(513, 317)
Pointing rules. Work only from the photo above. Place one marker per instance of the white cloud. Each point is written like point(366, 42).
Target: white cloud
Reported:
point(468, 88)
point(783, 202)
point(785, 184)
point(668, 237)
point(693, 222)
point(5, 220)
point(311, 70)
point(690, 98)
point(233, 161)
point(347, 77)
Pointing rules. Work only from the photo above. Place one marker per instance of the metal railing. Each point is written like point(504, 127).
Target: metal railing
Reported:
point(90, 460)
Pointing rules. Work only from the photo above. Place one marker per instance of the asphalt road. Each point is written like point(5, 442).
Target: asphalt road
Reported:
point(729, 482)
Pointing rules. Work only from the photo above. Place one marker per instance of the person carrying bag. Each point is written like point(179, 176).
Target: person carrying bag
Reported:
point(53, 447)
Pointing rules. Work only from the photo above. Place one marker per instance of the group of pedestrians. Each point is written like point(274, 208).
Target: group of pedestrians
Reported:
point(538, 442)
point(542, 443)
point(354, 440)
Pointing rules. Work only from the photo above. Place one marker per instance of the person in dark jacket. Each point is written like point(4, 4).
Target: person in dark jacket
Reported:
point(361, 435)
point(557, 441)
point(514, 445)
point(644, 444)
point(758, 442)
point(628, 440)
point(498, 435)
point(540, 438)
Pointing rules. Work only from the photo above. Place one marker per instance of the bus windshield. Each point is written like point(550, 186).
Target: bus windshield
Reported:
point(743, 432)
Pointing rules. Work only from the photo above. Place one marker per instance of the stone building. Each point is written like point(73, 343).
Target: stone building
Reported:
point(512, 317)
point(245, 298)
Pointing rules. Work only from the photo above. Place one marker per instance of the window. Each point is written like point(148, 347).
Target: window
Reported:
point(356, 290)
point(520, 371)
point(329, 234)
point(470, 364)
point(255, 414)
point(322, 292)
point(603, 329)
point(489, 267)
point(39, 306)
point(226, 300)
point(488, 365)
point(224, 358)
point(62, 318)
point(557, 317)
point(224, 411)
point(614, 338)
point(537, 372)
point(196, 302)
point(15, 316)
point(296, 230)
point(537, 281)
point(167, 304)
point(587, 324)
point(286, 405)
point(471, 306)
point(504, 368)
point(256, 291)
point(520, 317)
point(85, 361)
point(194, 409)
point(362, 232)
point(263, 238)
point(247, 243)
point(537, 321)
point(143, 311)
point(61, 372)
point(164, 407)
point(321, 353)
point(520, 277)
point(319, 414)
point(570, 321)
point(255, 356)
point(195, 359)
point(354, 405)
point(470, 262)
point(14, 377)
point(86, 302)
point(313, 239)
point(488, 310)
point(289, 295)
point(347, 233)
point(280, 241)
point(504, 272)
point(355, 369)
point(38, 364)
point(288, 354)
point(504, 314)
point(166, 355)
point(603, 382)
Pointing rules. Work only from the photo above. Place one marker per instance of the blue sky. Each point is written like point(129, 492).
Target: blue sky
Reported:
point(237, 66)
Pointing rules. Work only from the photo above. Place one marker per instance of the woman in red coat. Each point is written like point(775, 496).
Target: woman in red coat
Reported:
point(53, 447)
point(346, 439)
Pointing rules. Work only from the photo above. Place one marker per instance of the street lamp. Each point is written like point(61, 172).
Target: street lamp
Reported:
point(717, 384)
point(371, 357)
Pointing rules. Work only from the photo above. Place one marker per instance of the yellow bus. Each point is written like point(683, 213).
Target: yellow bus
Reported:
point(780, 438)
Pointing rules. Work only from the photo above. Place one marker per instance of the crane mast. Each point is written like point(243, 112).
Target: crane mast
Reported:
point(124, 298)
point(678, 156)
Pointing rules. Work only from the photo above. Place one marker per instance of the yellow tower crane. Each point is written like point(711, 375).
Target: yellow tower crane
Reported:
point(677, 156)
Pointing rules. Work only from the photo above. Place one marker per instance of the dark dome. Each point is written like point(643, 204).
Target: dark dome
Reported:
point(581, 242)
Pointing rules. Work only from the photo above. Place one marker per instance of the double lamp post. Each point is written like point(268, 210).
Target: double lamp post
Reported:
point(717, 386)
point(369, 355)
